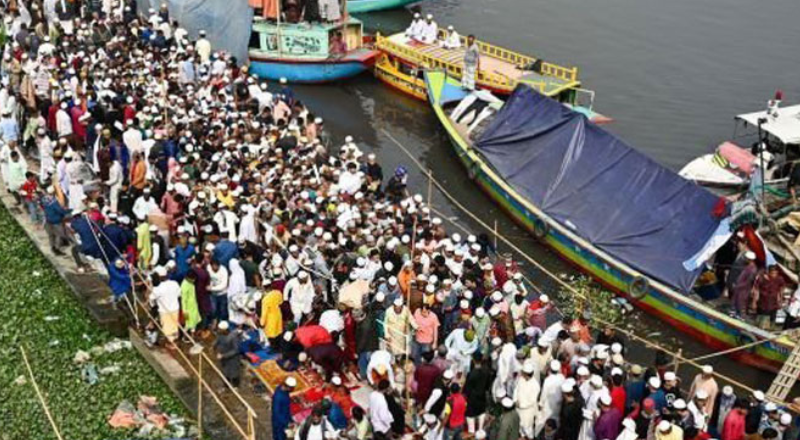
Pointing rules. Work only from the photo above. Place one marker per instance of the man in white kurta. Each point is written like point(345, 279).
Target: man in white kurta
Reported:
point(452, 40)
point(705, 381)
point(550, 397)
point(591, 411)
point(507, 365)
point(299, 291)
point(430, 31)
point(461, 345)
point(526, 398)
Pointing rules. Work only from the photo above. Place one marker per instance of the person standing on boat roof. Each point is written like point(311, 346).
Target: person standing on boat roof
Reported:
point(330, 10)
point(472, 63)
point(430, 31)
point(452, 40)
point(744, 285)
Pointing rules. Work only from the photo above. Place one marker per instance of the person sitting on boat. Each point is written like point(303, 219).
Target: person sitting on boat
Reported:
point(430, 31)
point(452, 40)
point(337, 47)
point(413, 30)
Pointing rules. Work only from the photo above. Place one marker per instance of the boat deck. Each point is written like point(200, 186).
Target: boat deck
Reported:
point(494, 69)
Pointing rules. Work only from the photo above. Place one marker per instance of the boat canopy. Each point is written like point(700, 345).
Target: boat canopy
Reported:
point(588, 180)
point(785, 126)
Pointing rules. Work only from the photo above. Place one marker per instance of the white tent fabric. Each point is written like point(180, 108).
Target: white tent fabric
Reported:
point(785, 125)
point(227, 24)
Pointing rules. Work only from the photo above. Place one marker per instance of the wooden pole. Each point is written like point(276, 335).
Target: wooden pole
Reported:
point(408, 302)
point(678, 358)
point(251, 427)
point(430, 186)
point(39, 394)
point(200, 397)
point(495, 236)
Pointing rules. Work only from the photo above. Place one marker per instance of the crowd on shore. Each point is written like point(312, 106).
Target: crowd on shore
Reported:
point(164, 165)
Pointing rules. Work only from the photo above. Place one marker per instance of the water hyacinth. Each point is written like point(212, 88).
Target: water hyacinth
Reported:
point(81, 410)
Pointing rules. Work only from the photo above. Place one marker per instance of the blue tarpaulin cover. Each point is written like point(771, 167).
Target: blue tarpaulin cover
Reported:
point(587, 179)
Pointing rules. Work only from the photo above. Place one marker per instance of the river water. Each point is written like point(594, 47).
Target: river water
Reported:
point(672, 73)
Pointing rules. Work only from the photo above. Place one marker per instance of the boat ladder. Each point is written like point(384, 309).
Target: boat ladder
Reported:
point(787, 376)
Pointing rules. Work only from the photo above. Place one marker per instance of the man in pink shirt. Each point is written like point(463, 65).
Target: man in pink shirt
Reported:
point(427, 332)
point(733, 428)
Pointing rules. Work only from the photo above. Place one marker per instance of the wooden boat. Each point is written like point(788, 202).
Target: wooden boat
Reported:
point(501, 69)
point(699, 319)
point(300, 52)
point(360, 6)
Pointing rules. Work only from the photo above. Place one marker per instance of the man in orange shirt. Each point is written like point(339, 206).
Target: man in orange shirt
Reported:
point(138, 173)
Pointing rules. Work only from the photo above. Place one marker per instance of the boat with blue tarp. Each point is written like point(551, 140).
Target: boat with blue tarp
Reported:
point(635, 226)
point(307, 52)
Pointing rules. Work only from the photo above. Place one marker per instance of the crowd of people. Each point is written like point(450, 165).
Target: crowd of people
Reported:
point(166, 167)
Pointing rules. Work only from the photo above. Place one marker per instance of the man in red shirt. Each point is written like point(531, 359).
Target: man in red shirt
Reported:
point(455, 413)
point(733, 428)
point(768, 296)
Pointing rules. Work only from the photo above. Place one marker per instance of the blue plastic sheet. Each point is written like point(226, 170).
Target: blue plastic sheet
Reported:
point(592, 182)
point(227, 24)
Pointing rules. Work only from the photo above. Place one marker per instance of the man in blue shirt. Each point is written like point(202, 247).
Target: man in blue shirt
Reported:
point(54, 215)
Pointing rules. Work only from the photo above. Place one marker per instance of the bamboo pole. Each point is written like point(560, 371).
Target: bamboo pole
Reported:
point(200, 397)
point(39, 395)
point(430, 188)
point(408, 322)
point(495, 235)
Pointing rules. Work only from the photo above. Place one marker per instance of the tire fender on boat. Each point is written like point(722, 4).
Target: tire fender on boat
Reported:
point(638, 287)
point(744, 338)
point(540, 229)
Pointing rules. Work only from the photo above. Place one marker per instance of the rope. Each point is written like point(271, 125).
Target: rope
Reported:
point(564, 284)
point(39, 395)
point(149, 286)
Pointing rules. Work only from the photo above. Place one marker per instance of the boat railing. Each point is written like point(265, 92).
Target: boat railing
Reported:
point(492, 79)
point(569, 74)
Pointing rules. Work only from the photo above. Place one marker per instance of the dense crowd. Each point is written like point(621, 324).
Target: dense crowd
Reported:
point(166, 167)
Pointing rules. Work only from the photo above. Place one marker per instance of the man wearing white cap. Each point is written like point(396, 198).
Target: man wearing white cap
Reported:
point(667, 431)
point(452, 40)
point(166, 295)
point(594, 391)
point(379, 415)
point(203, 47)
point(281, 408)
point(414, 30)
point(397, 323)
point(550, 397)
point(507, 427)
point(740, 295)
point(430, 31)
point(299, 291)
point(526, 397)
point(705, 381)
point(696, 408)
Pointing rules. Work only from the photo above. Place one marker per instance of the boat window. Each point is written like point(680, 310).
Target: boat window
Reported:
point(255, 40)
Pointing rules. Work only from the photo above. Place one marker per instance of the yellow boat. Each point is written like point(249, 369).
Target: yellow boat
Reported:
point(402, 61)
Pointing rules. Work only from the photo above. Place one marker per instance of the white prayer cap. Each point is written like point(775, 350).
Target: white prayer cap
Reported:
point(302, 275)
point(507, 402)
point(153, 228)
point(290, 382)
point(287, 336)
point(750, 255)
point(494, 311)
point(398, 302)
point(380, 296)
point(727, 390)
point(701, 394)
point(480, 312)
point(497, 296)
point(670, 376)
point(543, 343)
point(336, 380)
point(786, 419)
point(318, 120)
point(567, 386)
point(496, 341)
point(708, 369)
point(664, 426)
point(223, 325)
point(388, 266)
point(605, 399)
point(450, 28)
point(555, 365)
point(160, 271)
point(481, 434)
point(679, 404)
point(302, 357)
point(544, 298)
point(596, 381)
point(583, 371)
point(448, 374)
point(282, 80)
point(430, 17)
point(528, 367)
point(770, 406)
point(429, 418)
point(392, 281)
point(654, 382)
point(417, 15)
point(616, 371)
